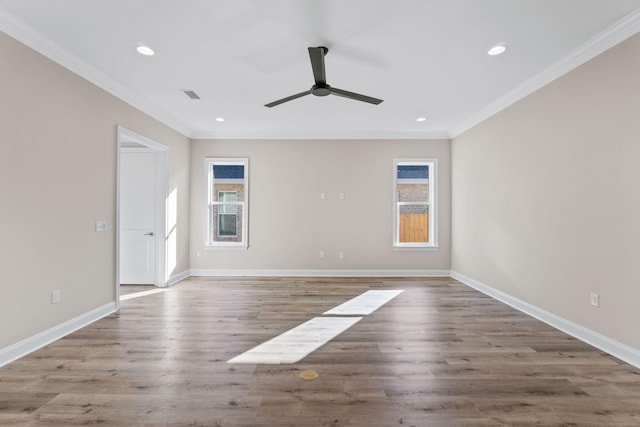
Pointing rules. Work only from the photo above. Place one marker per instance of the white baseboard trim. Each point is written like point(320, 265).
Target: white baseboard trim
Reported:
point(178, 277)
point(604, 343)
point(319, 273)
point(31, 344)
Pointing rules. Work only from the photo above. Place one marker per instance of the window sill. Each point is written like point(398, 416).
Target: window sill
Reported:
point(415, 248)
point(226, 247)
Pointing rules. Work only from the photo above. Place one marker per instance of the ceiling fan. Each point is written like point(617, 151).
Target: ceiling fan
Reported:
point(321, 88)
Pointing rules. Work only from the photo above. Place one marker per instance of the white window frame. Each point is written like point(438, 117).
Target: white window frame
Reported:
point(432, 164)
point(209, 241)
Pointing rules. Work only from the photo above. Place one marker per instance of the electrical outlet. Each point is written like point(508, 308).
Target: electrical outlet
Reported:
point(55, 297)
point(101, 226)
point(322, 253)
point(595, 299)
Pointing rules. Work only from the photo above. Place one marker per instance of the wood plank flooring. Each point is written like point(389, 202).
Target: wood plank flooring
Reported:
point(439, 354)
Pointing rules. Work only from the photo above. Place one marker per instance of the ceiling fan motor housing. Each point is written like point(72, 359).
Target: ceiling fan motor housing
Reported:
point(321, 90)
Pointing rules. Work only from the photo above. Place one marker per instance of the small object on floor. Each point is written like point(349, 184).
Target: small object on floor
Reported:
point(308, 375)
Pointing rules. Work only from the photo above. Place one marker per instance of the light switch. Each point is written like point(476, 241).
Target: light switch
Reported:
point(101, 226)
point(341, 195)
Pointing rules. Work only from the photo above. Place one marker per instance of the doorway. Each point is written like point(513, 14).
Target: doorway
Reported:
point(141, 211)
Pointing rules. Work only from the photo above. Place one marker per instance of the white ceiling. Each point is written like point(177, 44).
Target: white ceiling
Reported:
point(423, 57)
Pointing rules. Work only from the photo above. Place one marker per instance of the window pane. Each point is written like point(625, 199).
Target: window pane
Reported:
point(414, 223)
point(228, 196)
point(413, 192)
point(227, 225)
point(228, 171)
point(229, 209)
point(413, 172)
point(413, 183)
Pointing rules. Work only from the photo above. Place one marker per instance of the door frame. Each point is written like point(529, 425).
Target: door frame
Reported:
point(128, 140)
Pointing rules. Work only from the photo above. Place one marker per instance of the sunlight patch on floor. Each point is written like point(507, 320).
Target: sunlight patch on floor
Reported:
point(295, 344)
point(143, 293)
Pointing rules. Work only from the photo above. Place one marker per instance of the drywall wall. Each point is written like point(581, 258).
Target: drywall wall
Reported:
point(290, 224)
point(57, 177)
point(546, 206)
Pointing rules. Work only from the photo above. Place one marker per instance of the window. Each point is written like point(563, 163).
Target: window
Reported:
point(227, 202)
point(414, 187)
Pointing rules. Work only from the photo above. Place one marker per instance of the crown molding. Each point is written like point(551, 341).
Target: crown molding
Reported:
point(365, 135)
point(25, 34)
point(618, 32)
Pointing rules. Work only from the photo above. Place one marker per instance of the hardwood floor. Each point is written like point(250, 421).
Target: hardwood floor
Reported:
point(438, 354)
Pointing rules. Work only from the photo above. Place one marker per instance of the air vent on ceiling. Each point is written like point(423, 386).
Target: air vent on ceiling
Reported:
point(191, 94)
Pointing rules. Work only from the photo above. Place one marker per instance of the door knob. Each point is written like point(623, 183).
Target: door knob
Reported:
point(149, 233)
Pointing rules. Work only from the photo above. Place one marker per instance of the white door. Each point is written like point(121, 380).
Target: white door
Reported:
point(137, 218)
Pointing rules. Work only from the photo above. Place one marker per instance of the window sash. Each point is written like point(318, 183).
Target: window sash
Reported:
point(399, 222)
point(214, 218)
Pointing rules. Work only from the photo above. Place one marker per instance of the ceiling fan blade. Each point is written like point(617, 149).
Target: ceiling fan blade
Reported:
point(316, 54)
point(355, 96)
point(287, 99)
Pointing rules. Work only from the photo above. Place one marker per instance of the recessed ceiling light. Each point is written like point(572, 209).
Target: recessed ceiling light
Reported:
point(219, 119)
point(421, 119)
point(145, 50)
point(497, 50)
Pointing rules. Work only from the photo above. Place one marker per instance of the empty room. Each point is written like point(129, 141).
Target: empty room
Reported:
point(249, 213)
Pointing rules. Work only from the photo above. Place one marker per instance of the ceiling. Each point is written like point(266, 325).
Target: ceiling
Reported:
point(425, 58)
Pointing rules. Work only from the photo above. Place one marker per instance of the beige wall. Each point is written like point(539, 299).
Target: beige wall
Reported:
point(289, 224)
point(57, 177)
point(546, 205)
